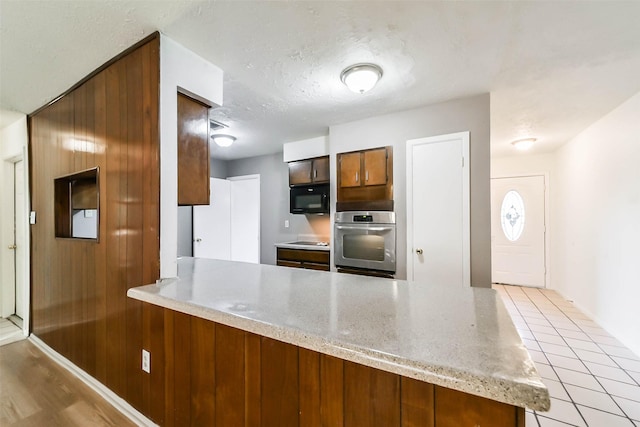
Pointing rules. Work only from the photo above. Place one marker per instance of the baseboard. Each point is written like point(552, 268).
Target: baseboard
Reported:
point(116, 401)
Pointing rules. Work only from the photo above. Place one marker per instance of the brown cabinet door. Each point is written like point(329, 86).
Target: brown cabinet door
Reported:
point(375, 167)
point(320, 171)
point(193, 152)
point(300, 172)
point(349, 169)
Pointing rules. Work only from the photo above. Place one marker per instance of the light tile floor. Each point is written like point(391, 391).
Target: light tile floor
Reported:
point(593, 379)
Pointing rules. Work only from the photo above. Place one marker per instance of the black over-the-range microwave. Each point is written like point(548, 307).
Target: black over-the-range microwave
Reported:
point(310, 199)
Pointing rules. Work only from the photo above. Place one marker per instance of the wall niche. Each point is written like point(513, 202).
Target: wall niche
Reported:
point(77, 205)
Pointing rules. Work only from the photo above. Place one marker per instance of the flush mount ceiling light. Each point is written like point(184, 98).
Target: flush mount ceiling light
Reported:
point(223, 140)
point(361, 78)
point(523, 144)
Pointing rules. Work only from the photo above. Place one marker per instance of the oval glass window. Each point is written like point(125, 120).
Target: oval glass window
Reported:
point(512, 215)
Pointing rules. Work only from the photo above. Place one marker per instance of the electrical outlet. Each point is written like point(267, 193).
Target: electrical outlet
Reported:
point(146, 361)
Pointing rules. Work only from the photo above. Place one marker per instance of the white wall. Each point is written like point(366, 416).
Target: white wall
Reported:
point(13, 146)
point(596, 211)
point(180, 70)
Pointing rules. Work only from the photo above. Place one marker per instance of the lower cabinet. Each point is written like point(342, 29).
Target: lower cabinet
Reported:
point(303, 258)
point(204, 373)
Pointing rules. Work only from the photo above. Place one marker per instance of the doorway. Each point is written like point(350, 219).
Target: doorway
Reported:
point(438, 222)
point(229, 227)
point(14, 292)
point(518, 230)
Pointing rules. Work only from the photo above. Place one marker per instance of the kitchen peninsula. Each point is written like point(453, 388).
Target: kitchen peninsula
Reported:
point(245, 344)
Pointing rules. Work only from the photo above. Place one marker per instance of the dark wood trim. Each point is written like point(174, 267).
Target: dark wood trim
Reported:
point(154, 35)
point(365, 205)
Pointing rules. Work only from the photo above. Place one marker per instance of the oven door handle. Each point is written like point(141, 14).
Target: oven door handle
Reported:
point(349, 227)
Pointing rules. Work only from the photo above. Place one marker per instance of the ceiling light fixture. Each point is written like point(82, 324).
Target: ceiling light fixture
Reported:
point(361, 78)
point(223, 140)
point(523, 144)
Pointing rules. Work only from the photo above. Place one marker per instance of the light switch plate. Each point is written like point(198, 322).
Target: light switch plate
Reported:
point(146, 361)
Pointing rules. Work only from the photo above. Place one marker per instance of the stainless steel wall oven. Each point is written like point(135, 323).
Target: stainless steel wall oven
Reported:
point(365, 240)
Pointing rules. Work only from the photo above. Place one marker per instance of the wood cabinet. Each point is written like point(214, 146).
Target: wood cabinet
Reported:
point(207, 373)
point(365, 180)
point(193, 152)
point(303, 258)
point(310, 171)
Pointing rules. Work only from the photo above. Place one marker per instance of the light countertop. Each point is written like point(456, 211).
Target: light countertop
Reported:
point(309, 246)
point(460, 338)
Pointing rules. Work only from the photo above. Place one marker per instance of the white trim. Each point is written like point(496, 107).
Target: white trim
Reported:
point(5, 293)
point(547, 238)
point(466, 216)
point(116, 401)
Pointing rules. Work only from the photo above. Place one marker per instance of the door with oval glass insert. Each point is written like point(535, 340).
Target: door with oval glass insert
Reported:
point(518, 231)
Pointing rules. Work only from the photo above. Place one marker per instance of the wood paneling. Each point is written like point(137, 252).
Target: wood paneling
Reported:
point(193, 152)
point(279, 383)
point(79, 303)
point(415, 395)
point(229, 377)
point(238, 378)
point(478, 411)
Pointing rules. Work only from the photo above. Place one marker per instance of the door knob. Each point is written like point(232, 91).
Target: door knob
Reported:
point(419, 251)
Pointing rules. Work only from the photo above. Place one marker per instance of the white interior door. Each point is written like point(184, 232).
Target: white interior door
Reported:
point(438, 241)
point(245, 218)
point(518, 231)
point(20, 238)
point(212, 223)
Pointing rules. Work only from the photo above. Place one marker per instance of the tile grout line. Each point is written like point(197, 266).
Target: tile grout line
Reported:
point(552, 367)
point(586, 367)
point(526, 293)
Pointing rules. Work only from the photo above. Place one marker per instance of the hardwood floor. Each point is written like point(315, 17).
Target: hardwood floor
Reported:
point(36, 391)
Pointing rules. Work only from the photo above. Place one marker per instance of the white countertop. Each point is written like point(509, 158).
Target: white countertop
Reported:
point(308, 246)
point(461, 338)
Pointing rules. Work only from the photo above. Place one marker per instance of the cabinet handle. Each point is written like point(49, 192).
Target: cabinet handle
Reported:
point(315, 173)
point(419, 251)
point(12, 246)
point(356, 176)
point(366, 175)
point(198, 240)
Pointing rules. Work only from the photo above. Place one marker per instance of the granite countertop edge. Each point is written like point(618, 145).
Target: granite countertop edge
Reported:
point(533, 395)
point(303, 247)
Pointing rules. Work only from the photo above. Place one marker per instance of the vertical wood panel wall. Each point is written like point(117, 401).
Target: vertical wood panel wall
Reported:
point(207, 374)
point(79, 302)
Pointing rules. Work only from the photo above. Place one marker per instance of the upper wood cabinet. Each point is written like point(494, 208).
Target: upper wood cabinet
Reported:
point(310, 171)
point(365, 180)
point(363, 168)
point(193, 152)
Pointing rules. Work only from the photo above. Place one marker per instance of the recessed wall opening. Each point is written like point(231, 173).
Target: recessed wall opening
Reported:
point(77, 205)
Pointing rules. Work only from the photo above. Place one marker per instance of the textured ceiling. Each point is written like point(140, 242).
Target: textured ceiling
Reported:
point(552, 68)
